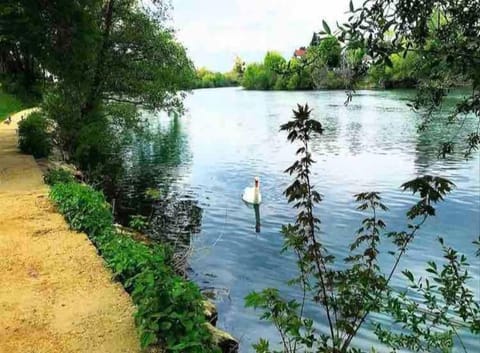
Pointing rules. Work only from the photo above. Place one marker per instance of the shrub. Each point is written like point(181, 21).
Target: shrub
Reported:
point(34, 137)
point(170, 309)
point(84, 208)
point(56, 176)
point(138, 222)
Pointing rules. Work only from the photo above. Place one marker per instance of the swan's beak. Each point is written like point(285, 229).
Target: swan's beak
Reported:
point(256, 182)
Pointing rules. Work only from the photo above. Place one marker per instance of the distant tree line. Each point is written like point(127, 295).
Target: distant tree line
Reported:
point(324, 64)
point(205, 78)
point(209, 79)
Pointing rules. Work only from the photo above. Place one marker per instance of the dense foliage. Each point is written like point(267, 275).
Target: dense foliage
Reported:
point(209, 79)
point(440, 41)
point(326, 65)
point(106, 59)
point(58, 176)
point(170, 309)
point(275, 73)
point(401, 72)
point(346, 292)
point(34, 135)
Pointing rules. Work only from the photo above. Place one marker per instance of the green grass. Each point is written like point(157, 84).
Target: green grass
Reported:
point(8, 104)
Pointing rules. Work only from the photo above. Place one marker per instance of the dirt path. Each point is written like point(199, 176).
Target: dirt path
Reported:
point(55, 293)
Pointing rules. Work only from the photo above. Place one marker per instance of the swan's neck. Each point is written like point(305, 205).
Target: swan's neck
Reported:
point(256, 193)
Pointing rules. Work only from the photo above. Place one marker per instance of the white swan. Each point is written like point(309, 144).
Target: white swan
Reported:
point(252, 195)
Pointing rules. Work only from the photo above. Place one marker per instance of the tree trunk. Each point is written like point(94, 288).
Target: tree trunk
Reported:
point(93, 98)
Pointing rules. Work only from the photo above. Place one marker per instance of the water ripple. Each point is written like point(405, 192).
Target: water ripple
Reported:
point(204, 160)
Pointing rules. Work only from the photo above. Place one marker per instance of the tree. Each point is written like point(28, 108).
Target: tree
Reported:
point(329, 51)
point(274, 62)
point(138, 61)
point(402, 72)
point(208, 79)
point(302, 74)
point(239, 67)
point(36, 37)
point(107, 56)
point(256, 77)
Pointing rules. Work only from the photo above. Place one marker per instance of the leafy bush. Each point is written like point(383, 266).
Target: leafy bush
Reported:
point(84, 208)
point(138, 222)
point(56, 176)
point(170, 309)
point(34, 137)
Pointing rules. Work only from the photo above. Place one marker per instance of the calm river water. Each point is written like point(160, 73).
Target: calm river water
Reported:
point(201, 163)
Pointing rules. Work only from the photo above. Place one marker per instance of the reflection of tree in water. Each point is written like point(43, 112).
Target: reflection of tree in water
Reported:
point(430, 139)
point(354, 138)
point(150, 183)
point(327, 142)
point(175, 220)
point(338, 126)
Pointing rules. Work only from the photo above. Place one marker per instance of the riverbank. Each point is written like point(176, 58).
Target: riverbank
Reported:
point(56, 294)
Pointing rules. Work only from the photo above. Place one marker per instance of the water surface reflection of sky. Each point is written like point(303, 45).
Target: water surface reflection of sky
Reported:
point(229, 136)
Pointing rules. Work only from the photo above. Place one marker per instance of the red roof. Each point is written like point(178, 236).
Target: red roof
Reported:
point(300, 52)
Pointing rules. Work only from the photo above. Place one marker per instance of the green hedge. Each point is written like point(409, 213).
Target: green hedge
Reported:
point(33, 136)
point(170, 308)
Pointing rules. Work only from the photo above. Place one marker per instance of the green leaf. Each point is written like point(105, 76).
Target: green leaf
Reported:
point(388, 62)
point(147, 338)
point(165, 325)
point(409, 275)
point(326, 27)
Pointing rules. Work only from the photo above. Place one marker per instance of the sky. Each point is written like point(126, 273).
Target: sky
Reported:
point(216, 31)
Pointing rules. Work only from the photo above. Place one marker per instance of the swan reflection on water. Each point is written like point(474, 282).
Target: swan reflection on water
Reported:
point(256, 209)
point(253, 198)
point(257, 218)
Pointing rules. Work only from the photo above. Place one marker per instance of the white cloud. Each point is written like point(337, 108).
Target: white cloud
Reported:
point(214, 31)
